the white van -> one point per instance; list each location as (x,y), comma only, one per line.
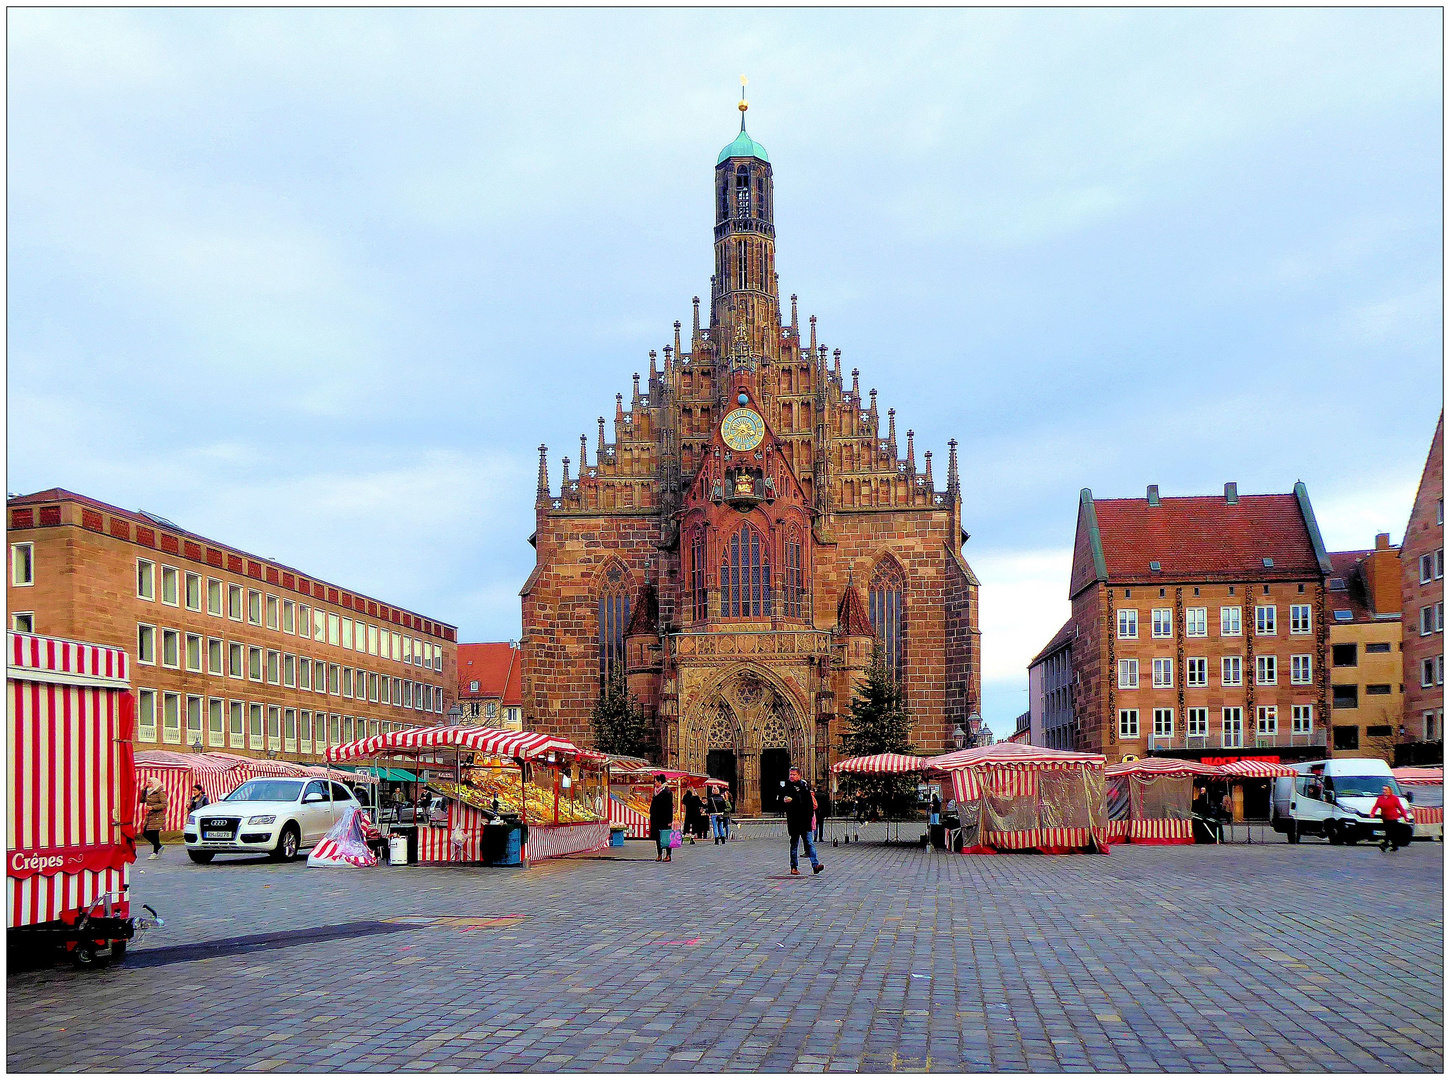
(1333,798)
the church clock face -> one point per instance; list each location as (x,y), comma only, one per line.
(742,429)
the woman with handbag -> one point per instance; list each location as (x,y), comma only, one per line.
(662,819)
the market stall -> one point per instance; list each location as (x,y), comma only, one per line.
(1428,785)
(1150,801)
(492,775)
(884,765)
(177,772)
(1015,797)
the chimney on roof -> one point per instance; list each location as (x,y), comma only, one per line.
(1152,494)
(1381,541)
(1231,493)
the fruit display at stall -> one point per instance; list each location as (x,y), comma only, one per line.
(503,784)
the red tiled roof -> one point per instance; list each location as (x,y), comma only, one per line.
(1062,637)
(1206,538)
(497,666)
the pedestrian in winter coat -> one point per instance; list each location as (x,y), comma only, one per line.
(800,820)
(198,799)
(691,803)
(1387,808)
(153,799)
(662,818)
(717,806)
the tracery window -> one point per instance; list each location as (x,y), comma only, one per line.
(742,193)
(887,610)
(794,575)
(613,618)
(699,596)
(745,576)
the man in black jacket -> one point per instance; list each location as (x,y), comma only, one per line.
(800,814)
(661,818)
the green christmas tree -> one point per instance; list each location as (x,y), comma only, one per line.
(877,723)
(618,721)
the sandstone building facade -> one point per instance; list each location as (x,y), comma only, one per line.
(742,534)
(230,651)
(1200,627)
(1422,578)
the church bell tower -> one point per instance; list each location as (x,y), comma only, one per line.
(744,299)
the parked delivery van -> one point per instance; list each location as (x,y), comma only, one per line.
(1333,798)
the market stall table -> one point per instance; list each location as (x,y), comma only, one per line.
(1429,801)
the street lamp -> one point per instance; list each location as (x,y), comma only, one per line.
(974,725)
(454,715)
(959,737)
(196,746)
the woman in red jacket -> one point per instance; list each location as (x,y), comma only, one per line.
(1388,808)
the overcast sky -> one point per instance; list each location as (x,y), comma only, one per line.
(316,283)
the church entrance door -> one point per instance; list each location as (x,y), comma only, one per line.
(774,770)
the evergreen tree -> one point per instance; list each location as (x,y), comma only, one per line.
(877,723)
(618,720)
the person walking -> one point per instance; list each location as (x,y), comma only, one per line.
(198,799)
(715,804)
(800,820)
(153,801)
(662,818)
(1388,809)
(935,808)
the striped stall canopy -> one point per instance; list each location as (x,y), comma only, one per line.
(1415,775)
(483,740)
(57,656)
(1015,755)
(1255,770)
(875,764)
(1160,766)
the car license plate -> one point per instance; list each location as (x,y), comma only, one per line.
(216,834)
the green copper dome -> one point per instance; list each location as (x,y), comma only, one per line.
(743,146)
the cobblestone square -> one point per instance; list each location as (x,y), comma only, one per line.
(1264,957)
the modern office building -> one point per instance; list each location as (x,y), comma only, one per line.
(1364,661)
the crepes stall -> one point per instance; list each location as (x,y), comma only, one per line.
(1150,801)
(1013,797)
(543,785)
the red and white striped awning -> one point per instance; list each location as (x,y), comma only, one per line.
(200,763)
(1417,775)
(1015,755)
(1161,766)
(1255,770)
(528,745)
(876,764)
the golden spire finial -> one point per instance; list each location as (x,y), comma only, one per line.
(744,105)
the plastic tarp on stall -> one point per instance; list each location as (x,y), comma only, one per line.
(346,843)
(1015,797)
(1429,806)
(1150,801)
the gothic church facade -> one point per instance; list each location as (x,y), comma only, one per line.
(741,538)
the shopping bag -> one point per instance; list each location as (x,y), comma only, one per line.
(675,839)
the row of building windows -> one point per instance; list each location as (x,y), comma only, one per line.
(237,660)
(1230,621)
(190,719)
(1231,671)
(223,599)
(1301,723)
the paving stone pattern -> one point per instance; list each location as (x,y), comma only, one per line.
(1233,958)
